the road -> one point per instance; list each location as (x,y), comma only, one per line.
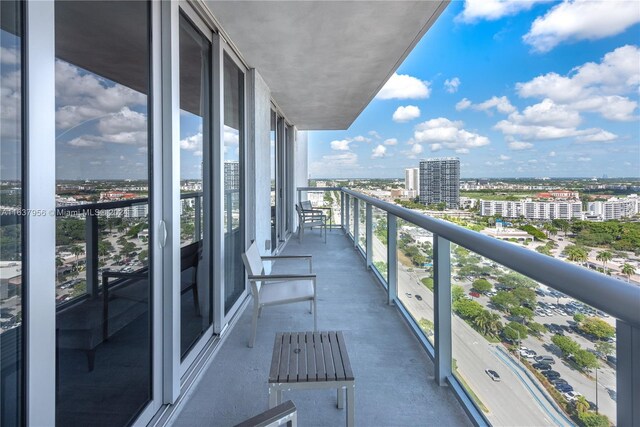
(512,401)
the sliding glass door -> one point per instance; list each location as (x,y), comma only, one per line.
(103,225)
(273,167)
(195,185)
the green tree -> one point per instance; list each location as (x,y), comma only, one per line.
(504,300)
(576,254)
(585,359)
(578,317)
(77,250)
(536,328)
(525,296)
(604,256)
(457,293)
(591,419)
(525,314)
(482,285)
(514,331)
(467,308)
(628,270)
(605,348)
(566,345)
(582,405)
(487,322)
(598,328)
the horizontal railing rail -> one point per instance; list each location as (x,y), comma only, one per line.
(615,297)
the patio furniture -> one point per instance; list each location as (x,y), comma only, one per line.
(307,206)
(311,219)
(276,289)
(312,360)
(281,414)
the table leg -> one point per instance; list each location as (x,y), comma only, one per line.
(351,405)
(341,392)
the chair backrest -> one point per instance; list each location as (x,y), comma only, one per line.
(253,263)
(306,205)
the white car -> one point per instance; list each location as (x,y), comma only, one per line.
(571,395)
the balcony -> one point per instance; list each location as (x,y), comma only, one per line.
(408,316)
(394,375)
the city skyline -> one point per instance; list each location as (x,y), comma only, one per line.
(511,89)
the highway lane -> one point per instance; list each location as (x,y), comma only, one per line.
(509,401)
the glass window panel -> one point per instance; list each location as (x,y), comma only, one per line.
(273,168)
(379,243)
(103,284)
(195,280)
(11,266)
(362,225)
(233,181)
(415,274)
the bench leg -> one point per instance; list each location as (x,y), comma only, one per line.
(273,398)
(341,392)
(351,405)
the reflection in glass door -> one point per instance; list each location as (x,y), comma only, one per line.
(103,282)
(273,167)
(11,202)
(233,209)
(195,190)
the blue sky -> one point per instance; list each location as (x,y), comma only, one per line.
(515,89)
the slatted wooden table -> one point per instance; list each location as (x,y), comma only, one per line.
(312,360)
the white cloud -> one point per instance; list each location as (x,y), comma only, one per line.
(391,141)
(501,104)
(547,113)
(552,153)
(340,145)
(491,10)
(435,147)
(584,159)
(374,134)
(536,132)
(519,145)
(463,104)
(361,138)
(581,20)
(404,114)
(379,151)
(231,136)
(192,143)
(403,86)
(594,87)
(448,133)
(416,149)
(9,56)
(462,150)
(452,85)
(601,136)
(504,158)
(82,96)
(335,165)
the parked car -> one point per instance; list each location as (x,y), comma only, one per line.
(493,374)
(572,395)
(612,361)
(563,388)
(545,359)
(474,294)
(551,375)
(542,366)
(418,297)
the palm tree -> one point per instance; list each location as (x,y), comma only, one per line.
(582,405)
(576,254)
(628,270)
(77,250)
(59,263)
(604,256)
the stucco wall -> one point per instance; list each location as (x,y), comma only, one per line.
(259,111)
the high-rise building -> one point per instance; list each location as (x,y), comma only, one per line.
(231,175)
(412,182)
(440,181)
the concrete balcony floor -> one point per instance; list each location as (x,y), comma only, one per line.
(394,376)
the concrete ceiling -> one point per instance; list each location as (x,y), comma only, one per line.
(324,61)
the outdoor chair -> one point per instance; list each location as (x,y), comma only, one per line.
(307,206)
(276,289)
(310,219)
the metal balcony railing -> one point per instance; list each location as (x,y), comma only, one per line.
(604,294)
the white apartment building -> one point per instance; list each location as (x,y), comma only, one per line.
(530,209)
(615,208)
(412,180)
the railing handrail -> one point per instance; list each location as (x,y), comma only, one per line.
(614,297)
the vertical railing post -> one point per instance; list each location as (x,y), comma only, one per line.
(342,209)
(392,257)
(347,212)
(91,259)
(627,374)
(369,235)
(442,307)
(228,201)
(198,216)
(356,222)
